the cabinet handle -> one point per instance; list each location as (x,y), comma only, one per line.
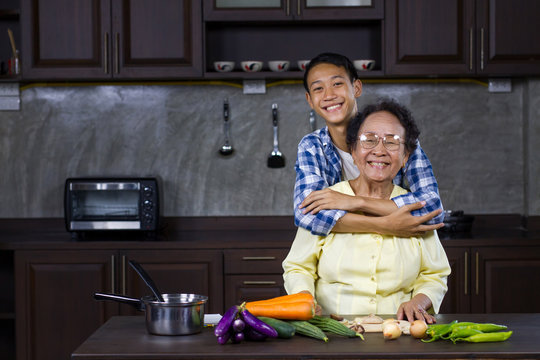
(116,54)
(466,275)
(298,7)
(288,8)
(113,265)
(477,273)
(249,258)
(481,48)
(106,52)
(124,274)
(261,282)
(471,39)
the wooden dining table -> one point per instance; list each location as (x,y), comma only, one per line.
(126,337)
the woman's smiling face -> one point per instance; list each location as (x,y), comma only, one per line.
(380,164)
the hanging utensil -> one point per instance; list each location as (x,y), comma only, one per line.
(276,159)
(147,279)
(227,148)
(312,120)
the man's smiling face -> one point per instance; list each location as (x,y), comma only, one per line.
(331,93)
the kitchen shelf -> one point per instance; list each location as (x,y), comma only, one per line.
(288,75)
(292,41)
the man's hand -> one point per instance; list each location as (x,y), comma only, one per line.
(327,199)
(415,309)
(403,224)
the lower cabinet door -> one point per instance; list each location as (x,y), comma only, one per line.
(504,279)
(176,271)
(457,299)
(240,288)
(55,307)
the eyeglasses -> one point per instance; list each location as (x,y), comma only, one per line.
(371,140)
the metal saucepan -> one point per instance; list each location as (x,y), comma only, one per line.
(179,314)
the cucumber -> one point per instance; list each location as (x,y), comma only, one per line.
(333,326)
(305,328)
(284,329)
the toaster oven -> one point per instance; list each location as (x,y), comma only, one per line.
(111,204)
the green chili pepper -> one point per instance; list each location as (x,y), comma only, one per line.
(460,333)
(486,328)
(485,337)
(436,331)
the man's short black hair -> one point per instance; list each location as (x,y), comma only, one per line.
(334,59)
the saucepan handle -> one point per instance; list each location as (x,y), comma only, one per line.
(136,303)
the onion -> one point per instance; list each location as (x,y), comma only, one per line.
(391,331)
(418,329)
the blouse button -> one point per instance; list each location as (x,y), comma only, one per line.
(372,301)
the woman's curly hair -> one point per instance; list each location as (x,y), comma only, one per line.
(399,111)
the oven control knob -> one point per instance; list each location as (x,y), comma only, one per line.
(148,216)
(147,191)
(148,204)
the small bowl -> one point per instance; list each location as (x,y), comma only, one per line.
(302,64)
(224,66)
(364,65)
(278,65)
(252,66)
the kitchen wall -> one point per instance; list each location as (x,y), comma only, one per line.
(483,146)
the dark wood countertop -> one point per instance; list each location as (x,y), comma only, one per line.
(231,233)
(126,338)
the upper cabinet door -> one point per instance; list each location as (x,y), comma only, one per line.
(156,39)
(64,39)
(248,10)
(508,37)
(429,37)
(339,9)
(145,39)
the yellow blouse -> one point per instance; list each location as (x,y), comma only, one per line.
(361,273)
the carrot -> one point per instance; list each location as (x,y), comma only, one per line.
(285,299)
(300,310)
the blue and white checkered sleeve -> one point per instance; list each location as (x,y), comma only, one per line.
(309,168)
(423,186)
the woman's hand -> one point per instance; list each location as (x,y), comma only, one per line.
(416,309)
(327,199)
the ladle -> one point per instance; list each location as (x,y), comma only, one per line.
(147,279)
(227,148)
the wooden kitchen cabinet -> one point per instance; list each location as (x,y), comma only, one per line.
(497,279)
(254,33)
(55,300)
(9,19)
(58,286)
(176,271)
(268,10)
(253,274)
(462,37)
(105,39)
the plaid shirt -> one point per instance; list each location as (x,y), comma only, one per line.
(318,166)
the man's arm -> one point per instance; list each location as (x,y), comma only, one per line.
(421,181)
(314,172)
(399,223)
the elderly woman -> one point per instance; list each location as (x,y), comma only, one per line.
(362,273)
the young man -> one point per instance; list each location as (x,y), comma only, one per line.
(332,86)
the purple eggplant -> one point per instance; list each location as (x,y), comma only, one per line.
(258,325)
(253,335)
(238,325)
(226,321)
(237,337)
(222,339)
